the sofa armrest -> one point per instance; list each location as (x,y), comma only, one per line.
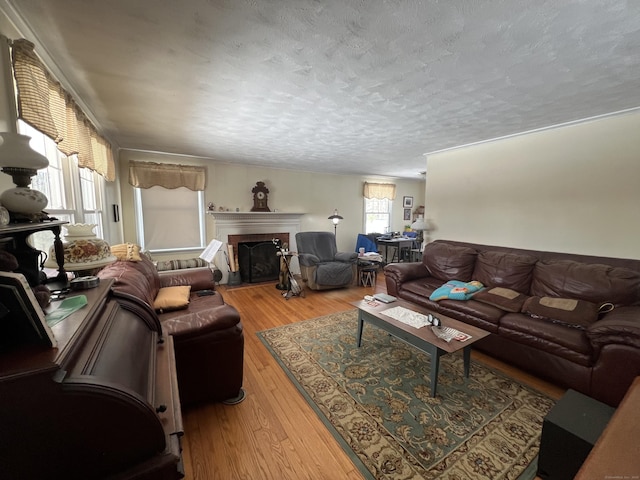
(346,257)
(200,278)
(398,273)
(621,326)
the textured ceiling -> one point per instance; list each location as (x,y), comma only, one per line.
(340,86)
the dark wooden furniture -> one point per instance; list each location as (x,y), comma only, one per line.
(15,241)
(569,431)
(422,338)
(616,454)
(104,403)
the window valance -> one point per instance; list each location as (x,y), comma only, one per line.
(46,106)
(167,175)
(380,190)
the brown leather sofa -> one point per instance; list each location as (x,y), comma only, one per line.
(593,352)
(208,335)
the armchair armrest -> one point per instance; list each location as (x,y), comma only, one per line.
(200,278)
(347,257)
(620,326)
(308,259)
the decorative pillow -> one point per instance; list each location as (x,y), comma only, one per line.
(504,298)
(172,298)
(455,290)
(180,264)
(567,311)
(126,251)
(447,262)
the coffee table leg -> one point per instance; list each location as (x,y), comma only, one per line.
(360,325)
(435,366)
(466,355)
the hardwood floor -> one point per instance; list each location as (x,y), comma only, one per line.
(274,433)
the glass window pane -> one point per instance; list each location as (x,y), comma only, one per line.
(171,219)
(377,215)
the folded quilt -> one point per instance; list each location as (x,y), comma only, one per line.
(456,290)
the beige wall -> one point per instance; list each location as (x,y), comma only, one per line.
(570,189)
(314,194)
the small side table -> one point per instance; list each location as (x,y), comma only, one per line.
(367,271)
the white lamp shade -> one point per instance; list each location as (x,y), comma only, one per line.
(16,152)
(419,224)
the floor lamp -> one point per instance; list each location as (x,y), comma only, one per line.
(335,218)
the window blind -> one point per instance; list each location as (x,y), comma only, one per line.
(167,175)
(46,106)
(380,190)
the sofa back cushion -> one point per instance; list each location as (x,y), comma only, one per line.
(583,281)
(449,262)
(509,270)
(140,279)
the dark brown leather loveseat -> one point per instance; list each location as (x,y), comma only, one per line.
(547,312)
(207,334)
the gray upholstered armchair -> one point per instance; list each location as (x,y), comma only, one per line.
(321,265)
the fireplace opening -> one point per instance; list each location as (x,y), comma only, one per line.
(258,261)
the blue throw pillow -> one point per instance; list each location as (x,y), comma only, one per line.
(456,290)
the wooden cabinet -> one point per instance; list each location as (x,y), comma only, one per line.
(14,238)
(104,403)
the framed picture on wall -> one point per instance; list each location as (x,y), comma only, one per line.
(407,214)
(407,202)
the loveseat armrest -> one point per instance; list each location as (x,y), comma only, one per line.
(200,278)
(346,257)
(621,326)
(398,273)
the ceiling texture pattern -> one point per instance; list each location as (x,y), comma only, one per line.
(339,86)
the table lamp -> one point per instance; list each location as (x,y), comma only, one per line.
(21,162)
(420,226)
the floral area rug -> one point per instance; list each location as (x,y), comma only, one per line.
(376,401)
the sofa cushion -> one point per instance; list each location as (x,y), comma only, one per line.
(172,298)
(139,279)
(567,311)
(557,339)
(449,262)
(595,283)
(504,298)
(510,270)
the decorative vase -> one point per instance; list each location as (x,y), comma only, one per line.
(24,200)
(83,250)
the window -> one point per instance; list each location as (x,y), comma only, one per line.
(377,213)
(170,219)
(74,193)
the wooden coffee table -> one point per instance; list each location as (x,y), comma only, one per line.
(422,338)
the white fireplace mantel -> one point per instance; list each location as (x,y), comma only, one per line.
(247,223)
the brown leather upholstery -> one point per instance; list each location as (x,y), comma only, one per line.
(208,335)
(599,358)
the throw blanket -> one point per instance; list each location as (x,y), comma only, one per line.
(456,290)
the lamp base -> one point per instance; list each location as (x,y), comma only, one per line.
(23,200)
